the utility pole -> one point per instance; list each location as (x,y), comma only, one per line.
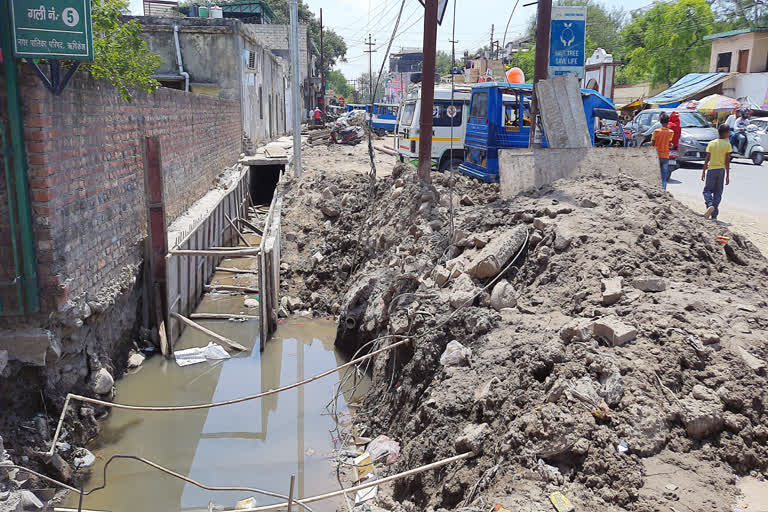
(370,51)
(322,66)
(543,22)
(427,91)
(295,85)
(490,55)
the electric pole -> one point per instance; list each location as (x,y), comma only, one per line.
(295,86)
(427,91)
(490,55)
(543,22)
(322,67)
(370,51)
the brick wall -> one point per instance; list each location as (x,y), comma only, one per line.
(86,174)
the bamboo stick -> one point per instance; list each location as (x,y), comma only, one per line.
(230,288)
(209,332)
(222,251)
(237,270)
(239,234)
(222,316)
(250,226)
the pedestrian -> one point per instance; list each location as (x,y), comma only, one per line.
(318,116)
(717,172)
(662,140)
(676,127)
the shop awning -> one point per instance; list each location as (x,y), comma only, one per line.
(688,86)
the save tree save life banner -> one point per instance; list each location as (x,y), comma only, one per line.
(567,41)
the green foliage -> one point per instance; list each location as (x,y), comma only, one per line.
(121,56)
(665,42)
(364,88)
(524,59)
(741,13)
(443,62)
(338,83)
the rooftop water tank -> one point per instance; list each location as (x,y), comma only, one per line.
(216,12)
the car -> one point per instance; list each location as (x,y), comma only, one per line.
(696,132)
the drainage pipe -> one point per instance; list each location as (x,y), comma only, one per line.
(178,58)
(21,181)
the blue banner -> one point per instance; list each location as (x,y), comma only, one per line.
(567,45)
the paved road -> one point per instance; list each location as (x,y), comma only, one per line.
(744,208)
(747,191)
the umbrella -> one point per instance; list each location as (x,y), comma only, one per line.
(717,103)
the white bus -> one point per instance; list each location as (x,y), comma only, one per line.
(447,146)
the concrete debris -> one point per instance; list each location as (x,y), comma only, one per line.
(503,295)
(699,392)
(754,363)
(612,389)
(250,303)
(3,360)
(542,223)
(466,200)
(612,292)
(135,359)
(456,354)
(62,467)
(614,330)
(562,241)
(702,418)
(330,209)
(485,390)
(317,257)
(494,256)
(102,382)
(28,501)
(472,439)
(28,346)
(578,330)
(463,291)
(441,275)
(650,284)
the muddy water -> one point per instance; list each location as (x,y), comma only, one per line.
(254,444)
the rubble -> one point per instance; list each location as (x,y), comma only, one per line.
(612,291)
(650,284)
(102,382)
(614,330)
(503,295)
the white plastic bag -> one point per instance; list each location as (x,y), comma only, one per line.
(456,354)
(384,446)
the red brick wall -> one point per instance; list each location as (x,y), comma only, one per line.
(86,173)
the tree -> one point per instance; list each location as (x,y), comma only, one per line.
(443,62)
(363,87)
(667,40)
(338,83)
(524,59)
(121,56)
(742,13)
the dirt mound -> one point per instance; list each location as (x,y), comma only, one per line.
(620,338)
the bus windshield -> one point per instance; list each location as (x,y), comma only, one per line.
(408,111)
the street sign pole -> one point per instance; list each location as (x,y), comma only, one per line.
(543,21)
(295,93)
(427,91)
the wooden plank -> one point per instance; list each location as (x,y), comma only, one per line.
(160,320)
(222,316)
(236,270)
(239,234)
(208,332)
(230,288)
(184,306)
(216,252)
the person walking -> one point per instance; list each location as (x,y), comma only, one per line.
(717,172)
(318,116)
(662,140)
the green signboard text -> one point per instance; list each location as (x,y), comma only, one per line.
(53,29)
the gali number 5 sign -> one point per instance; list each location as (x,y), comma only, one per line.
(52,29)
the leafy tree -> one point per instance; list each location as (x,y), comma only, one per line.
(524,59)
(338,83)
(443,62)
(666,40)
(742,13)
(363,87)
(121,56)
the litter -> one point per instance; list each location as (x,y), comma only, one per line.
(363,465)
(84,458)
(456,354)
(500,508)
(366,494)
(723,240)
(622,447)
(200,354)
(384,446)
(560,502)
(245,504)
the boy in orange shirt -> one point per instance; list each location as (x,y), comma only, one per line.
(662,140)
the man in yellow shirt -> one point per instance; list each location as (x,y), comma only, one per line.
(717,171)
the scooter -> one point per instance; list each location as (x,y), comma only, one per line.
(350,135)
(753,149)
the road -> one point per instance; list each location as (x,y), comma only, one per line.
(744,208)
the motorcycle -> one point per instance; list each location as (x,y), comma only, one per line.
(753,149)
(349,135)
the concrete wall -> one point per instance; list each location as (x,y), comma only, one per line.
(217,52)
(522,169)
(754,85)
(755,42)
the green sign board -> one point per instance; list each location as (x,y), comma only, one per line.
(52,29)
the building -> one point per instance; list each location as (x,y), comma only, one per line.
(600,72)
(740,51)
(227,59)
(401,66)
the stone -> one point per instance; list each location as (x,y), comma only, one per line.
(700,392)
(295,303)
(28,346)
(562,241)
(441,275)
(3,360)
(463,291)
(317,257)
(330,209)
(28,501)
(536,238)
(102,382)
(472,438)
(435,225)
(335,307)
(702,418)
(710,338)
(754,363)
(396,193)
(327,194)
(482,393)
(503,295)
(612,389)
(62,467)
(467,201)
(650,284)
(587,203)
(399,183)
(541,223)
(576,330)
(135,359)
(612,292)
(614,330)
(492,258)
(580,447)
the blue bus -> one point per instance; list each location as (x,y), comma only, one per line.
(357,106)
(500,118)
(384,117)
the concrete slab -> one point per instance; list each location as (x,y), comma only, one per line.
(562,113)
(29,345)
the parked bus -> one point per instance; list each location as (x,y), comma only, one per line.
(384,117)
(499,118)
(447,144)
(357,106)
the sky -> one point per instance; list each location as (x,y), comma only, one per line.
(355,19)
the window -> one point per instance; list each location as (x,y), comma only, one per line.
(408,111)
(723,62)
(440,115)
(251,59)
(692,120)
(479,106)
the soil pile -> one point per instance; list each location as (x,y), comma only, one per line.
(617,349)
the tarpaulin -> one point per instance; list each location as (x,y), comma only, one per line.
(688,86)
